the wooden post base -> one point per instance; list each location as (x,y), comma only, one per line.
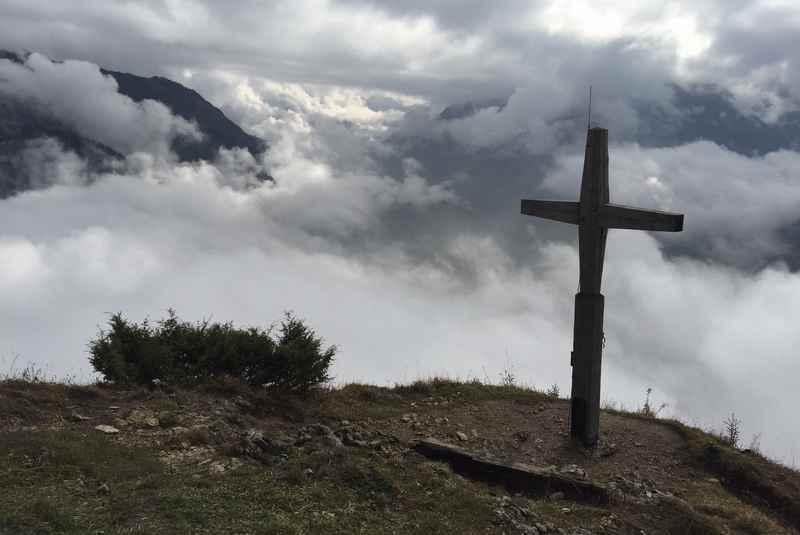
(586,362)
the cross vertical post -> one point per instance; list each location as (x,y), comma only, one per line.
(594,215)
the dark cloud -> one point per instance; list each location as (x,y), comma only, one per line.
(472,50)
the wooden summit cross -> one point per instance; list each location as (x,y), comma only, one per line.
(594,216)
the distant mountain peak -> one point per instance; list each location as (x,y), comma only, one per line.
(22,122)
(469,108)
(16,57)
(219,131)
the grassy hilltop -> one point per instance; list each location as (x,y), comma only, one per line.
(229,458)
(216,454)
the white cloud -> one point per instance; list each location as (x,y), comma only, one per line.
(188,242)
(735,206)
(713,339)
(684,28)
(44,161)
(440,51)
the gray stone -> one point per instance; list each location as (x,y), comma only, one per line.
(574,470)
(350,440)
(216,468)
(242,402)
(608,450)
(332,440)
(523,436)
(256,444)
(326,434)
(143,418)
(107,429)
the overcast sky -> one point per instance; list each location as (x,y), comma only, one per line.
(397,234)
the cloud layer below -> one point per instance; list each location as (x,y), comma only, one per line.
(706,336)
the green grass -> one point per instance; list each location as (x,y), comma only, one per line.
(28,401)
(55,476)
(358,401)
(55,479)
(466,390)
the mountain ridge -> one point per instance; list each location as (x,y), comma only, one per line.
(703,113)
(187,103)
(22,123)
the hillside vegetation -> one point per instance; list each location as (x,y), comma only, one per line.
(251,439)
(229,458)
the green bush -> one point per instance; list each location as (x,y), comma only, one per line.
(177,352)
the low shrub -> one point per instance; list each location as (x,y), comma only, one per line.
(173,351)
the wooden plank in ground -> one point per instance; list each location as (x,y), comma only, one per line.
(515,477)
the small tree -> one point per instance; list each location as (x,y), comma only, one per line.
(299,358)
(732,430)
(128,353)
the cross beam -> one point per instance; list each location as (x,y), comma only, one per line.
(594,215)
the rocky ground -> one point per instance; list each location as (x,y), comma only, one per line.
(227,459)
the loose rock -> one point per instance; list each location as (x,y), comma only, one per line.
(523,436)
(256,445)
(573,470)
(143,418)
(216,469)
